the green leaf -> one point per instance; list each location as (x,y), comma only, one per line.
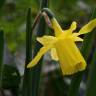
(1,55)
(27,72)
(91,83)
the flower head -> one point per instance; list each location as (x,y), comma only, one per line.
(63,47)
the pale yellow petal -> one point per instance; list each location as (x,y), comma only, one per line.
(57,29)
(73,26)
(36,59)
(76,34)
(46,40)
(54,54)
(75,37)
(70,58)
(88,27)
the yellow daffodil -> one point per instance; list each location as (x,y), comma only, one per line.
(63,48)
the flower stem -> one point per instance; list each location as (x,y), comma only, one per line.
(1,55)
(27,81)
(36,71)
(91,83)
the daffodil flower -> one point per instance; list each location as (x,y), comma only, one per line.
(63,48)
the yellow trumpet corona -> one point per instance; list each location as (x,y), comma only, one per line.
(63,47)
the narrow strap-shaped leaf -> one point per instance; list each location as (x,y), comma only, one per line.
(91,83)
(1,55)
(27,81)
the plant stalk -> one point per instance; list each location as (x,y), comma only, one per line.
(91,83)
(36,70)
(1,55)
(27,81)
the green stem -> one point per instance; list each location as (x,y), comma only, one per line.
(91,83)
(1,3)
(1,55)
(49,12)
(57,83)
(27,81)
(75,83)
(36,71)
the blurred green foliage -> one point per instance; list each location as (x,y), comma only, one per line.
(13,13)
(11,77)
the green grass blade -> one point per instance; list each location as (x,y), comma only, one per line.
(91,83)
(27,82)
(1,55)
